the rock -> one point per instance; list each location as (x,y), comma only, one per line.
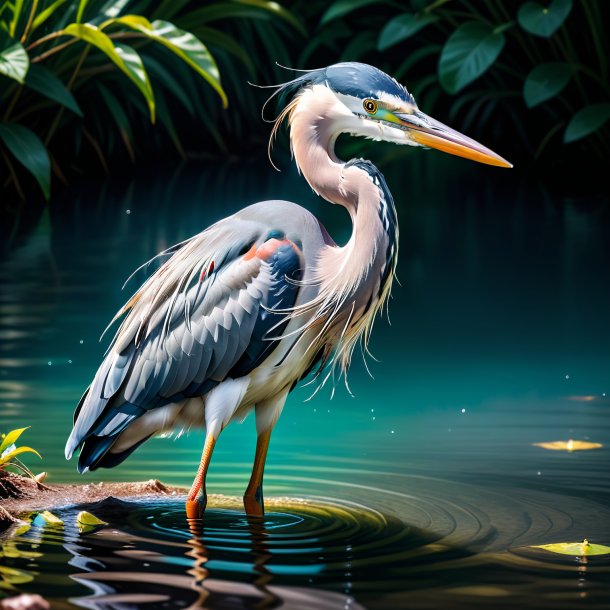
(6,519)
(25,602)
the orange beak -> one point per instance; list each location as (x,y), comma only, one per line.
(432,133)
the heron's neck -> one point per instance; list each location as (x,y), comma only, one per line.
(316,121)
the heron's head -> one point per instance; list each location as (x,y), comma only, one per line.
(374,105)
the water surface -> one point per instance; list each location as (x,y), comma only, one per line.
(418,491)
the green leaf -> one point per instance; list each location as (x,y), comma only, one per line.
(11,438)
(402,27)
(172,82)
(45,14)
(124,57)
(87,522)
(586,121)
(277,11)
(82,5)
(340,8)
(542,21)
(17,8)
(14,60)
(46,83)
(114,8)
(9,456)
(29,150)
(183,44)
(240,9)
(119,117)
(545,81)
(468,53)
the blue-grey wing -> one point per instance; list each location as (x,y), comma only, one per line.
(204,316)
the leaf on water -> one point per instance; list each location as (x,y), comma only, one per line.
(87,522)
(47,518)
(569,445)
(578,549)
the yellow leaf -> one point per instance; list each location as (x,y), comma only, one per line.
(9,456)
(47,518)
(87,522)
(578,549)
(570,445)
(11,437)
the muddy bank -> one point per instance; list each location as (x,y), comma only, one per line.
(19,494)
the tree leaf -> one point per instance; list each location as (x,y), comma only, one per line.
(45,14)
(542,21)
(468,53)
(11,438)
(29,150)
(586,121)
(340,8)
(278,11)
(236,9)
(120,118)
(402,27)
(183,44)
(82,5)
(46,83)
(17,8)
(545,81)
(124,57)
(14,60)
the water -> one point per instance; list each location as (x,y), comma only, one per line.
(423,489)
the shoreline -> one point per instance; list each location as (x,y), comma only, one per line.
(28,495)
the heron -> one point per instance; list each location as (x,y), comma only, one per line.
(237,315)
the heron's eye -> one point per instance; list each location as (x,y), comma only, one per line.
(370,106)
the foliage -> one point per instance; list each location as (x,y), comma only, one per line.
(535,74)
(9,451)
(61,96)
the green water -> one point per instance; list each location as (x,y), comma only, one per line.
(499,338)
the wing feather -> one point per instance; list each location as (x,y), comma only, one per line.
(158,356)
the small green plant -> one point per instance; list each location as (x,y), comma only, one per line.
(9,452)
(44,48)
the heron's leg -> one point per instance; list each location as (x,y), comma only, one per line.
(267,414)
(253,498)
(194,506)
